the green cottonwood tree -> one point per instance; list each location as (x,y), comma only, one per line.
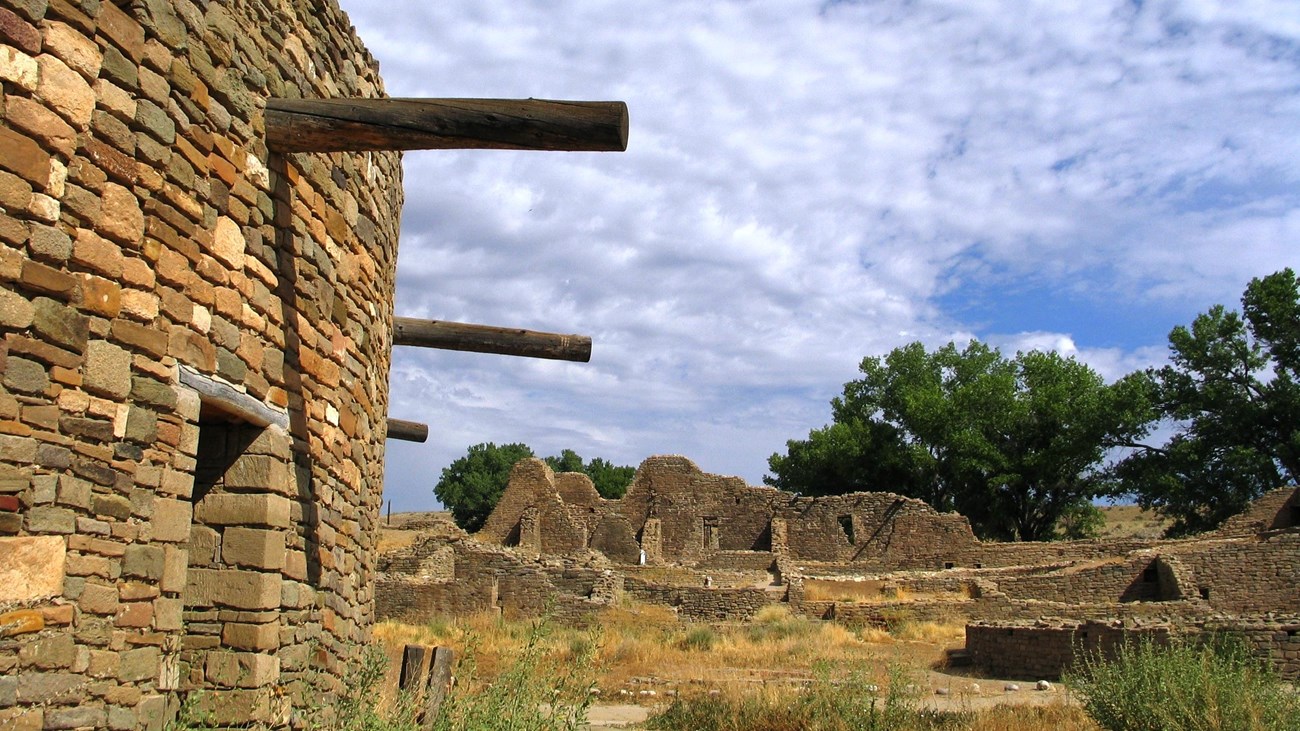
(471,486)
(1232,392)
(1014,444)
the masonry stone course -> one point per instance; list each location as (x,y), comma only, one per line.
(145,227)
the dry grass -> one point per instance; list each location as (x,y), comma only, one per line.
(1052,717)
(641,641)
(1130,521)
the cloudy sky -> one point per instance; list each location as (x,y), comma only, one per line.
(808,183)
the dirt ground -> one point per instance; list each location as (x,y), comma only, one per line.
(963,693)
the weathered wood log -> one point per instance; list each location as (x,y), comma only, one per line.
(338,125)
(439,684)
(408,431)
(488,339)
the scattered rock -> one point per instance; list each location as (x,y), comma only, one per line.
(1043,685)
(941,691)
(1011,687)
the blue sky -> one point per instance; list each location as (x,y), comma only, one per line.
(809,183)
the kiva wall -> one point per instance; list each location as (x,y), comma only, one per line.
(193,361)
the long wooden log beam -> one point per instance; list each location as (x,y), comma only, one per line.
(488,339)
(339,125)
(408,431)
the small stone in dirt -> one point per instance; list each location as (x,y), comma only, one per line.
(974,687)
(941,691)
(873,688)
(715,691)
(1044,685)
(1011,687)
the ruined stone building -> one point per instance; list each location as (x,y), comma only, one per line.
(193,360)
(199,204)
(717,549)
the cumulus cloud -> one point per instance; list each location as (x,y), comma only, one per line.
(808,183)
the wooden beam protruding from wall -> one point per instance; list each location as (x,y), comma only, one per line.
(346,125)
(488,339)
(408,431)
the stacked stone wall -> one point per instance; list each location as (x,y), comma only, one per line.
(705,604)
(485,578)
(1046,650)
(1248,576)
(167,285)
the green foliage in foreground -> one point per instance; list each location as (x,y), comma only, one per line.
(830,703)
(1187,686)
(531,695)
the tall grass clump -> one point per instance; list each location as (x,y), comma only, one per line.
(775,622)
(530,694)
(1210,686)
(840,702)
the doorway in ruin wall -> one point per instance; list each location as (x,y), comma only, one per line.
(244,560)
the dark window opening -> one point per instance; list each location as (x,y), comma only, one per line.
(512,538)
(223,438)
(949,565)
(1150,575)
(1205,592)
(979,565)
(764,540)
(1295,516)
(846,525)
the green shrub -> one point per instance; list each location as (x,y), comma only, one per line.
(1215,685)
(699,638)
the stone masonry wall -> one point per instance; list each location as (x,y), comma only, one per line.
(193,361)
(485,578)
(1046,650)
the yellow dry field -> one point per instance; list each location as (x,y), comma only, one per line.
(1130,521)
(638,649)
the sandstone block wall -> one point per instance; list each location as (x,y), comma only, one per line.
(474,577)
(1047,650)
(193,360)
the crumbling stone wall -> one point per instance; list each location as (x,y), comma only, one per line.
(475,577)
(1047,649)
(193,360)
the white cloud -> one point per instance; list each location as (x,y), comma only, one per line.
(804,183)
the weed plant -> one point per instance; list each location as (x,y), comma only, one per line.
(845,701)
(699,638)
(531,694)
(1192,686)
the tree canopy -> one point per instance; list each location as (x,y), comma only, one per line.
(1232,395)
(1014,444)
(471,486)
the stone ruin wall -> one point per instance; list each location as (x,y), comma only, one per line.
(449,573)
(1048,649)
(707,557)
(193,361)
